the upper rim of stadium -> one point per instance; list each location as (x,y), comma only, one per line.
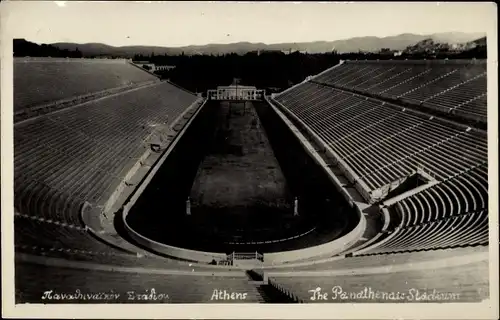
(23,100)
(471,71)
(44,85)
(418,61)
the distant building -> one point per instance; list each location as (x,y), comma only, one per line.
(149,66)
(264,51)
(290,51)
(153,67)
(145,65)
(235,92)
(163,68)
(386,51)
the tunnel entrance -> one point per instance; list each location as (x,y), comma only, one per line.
(239,180)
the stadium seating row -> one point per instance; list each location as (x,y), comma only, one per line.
(38,81)
(458,88)
(389,275)
(130,287)
(470,228)
(380,143)
(40,235)
(358,262)
(467,192)
(413,286)
(48,238)
(81,155)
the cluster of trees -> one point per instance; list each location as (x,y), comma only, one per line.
(23,48)
(272,71)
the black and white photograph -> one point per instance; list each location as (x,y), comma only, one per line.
(234,154)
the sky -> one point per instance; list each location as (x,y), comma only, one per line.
(175,24)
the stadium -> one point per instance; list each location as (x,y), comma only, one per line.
(364,180)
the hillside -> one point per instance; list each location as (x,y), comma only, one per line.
(479,42)
(399,42)
(431,46)
(23,48)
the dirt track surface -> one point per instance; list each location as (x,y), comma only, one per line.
(241,169)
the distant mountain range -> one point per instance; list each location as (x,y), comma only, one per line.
(370,44)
